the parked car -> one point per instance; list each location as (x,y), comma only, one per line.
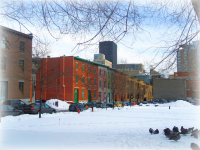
(35,107)
(127,103)
(118,104)
(89,104)
(38,101)
(76,107)
(110,105)
(134,103)
(15,103)
(7,110)
(100,105)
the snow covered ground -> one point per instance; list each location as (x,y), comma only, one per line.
(124,128)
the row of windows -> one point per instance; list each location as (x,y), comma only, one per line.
(4,44)
(89,69)
(83,93)
(3,63)
(89,81)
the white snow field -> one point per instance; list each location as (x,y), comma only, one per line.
(119,129)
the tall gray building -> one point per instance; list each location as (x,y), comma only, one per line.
(109,49)
(188,58)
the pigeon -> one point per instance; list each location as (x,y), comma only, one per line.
(172,135)
(156,131)
(167,132)
(175,136)
(190,129)
(175,129)
(194,146)
(184,131)
(195,133)
(151,130)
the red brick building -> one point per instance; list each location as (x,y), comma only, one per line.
(67,78)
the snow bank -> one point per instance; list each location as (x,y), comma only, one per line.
(62,105)
(178,103)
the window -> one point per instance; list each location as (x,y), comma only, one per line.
(3,63)
(89,81)
(21,49)
(21,86)
(94,93)
(89,69)
(104,73)
(83,80)
(76,78)
(94,81)
(104,84)
(99,83)
(3,42)
(21,64)
(83,92)
(83,67)
(76,66)
(94,70)
(100,72)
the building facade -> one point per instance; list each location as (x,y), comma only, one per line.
(188,58)
(75,79)
(16,65)
(100,58)
(172,89)
(109,49)
(131,69)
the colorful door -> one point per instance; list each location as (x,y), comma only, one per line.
(89,96)
(75,95)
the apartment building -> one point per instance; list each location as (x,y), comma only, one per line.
(16,64)
(188,57)
(100,58)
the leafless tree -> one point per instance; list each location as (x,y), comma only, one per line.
(89,22)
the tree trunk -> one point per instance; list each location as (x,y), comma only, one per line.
(40,101)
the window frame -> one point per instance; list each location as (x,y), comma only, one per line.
(76,78)
(4,42)
(76,65)
(22,46)
(83,67)
(21,86)
(83,79)
(83,93)
(3,63)
(21,65)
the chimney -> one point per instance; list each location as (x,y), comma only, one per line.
(48,56)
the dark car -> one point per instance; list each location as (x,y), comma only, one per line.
(16,103)
(76,107)
(89,104)
(34,109)
(7,110)
(110,105)
(100,105)
(38,101)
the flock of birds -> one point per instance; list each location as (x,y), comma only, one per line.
(174,134)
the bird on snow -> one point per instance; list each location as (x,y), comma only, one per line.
(184,131)
(175,129)
(151,130)
(156,131)
(194,146)
(195,133)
